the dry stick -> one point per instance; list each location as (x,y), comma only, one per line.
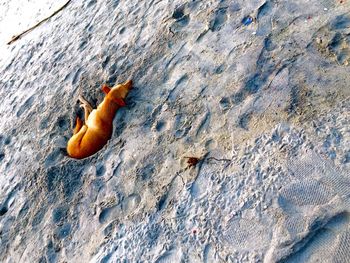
(14,38)
(219,160)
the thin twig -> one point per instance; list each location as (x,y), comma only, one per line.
(219,160)
(16,37)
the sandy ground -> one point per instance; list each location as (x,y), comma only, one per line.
(257,90)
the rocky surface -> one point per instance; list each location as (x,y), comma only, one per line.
(258,91)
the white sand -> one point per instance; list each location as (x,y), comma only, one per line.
(265,105)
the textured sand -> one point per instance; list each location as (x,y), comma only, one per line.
(264,104)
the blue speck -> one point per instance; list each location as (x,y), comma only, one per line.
(247,20)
